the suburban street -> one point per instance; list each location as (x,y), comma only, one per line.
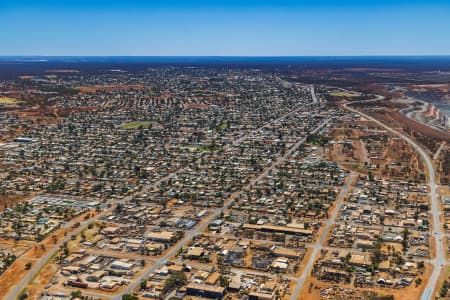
(313,95)
(320,241)
(440,260)
(190,234)
(227,150)
(37,266)
(182,243)
(272,180)
(15,292)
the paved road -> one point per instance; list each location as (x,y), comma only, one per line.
(440,259)
(190,234)
(14,293)
(233,237)
(317,246)
(438,151)
(238,271)
(313,95)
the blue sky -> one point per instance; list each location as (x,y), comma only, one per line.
(222,28)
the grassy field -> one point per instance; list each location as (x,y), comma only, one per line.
(7,100)
(135,125)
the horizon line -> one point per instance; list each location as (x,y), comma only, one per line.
(238,56)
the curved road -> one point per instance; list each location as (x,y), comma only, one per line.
(440,260)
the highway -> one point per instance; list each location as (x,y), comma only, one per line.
(317,246)
(440,260)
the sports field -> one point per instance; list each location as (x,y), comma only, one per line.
(137,124)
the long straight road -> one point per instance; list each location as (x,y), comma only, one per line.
(190,234)
(14,292)
(313,95)
(317,246)
(438,151)
(188,237)
(439,261)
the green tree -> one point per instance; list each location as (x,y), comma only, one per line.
(176,279)
(143,284)
(129,297)
(23,296)
(224,281)
(443,289)
(76,294)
